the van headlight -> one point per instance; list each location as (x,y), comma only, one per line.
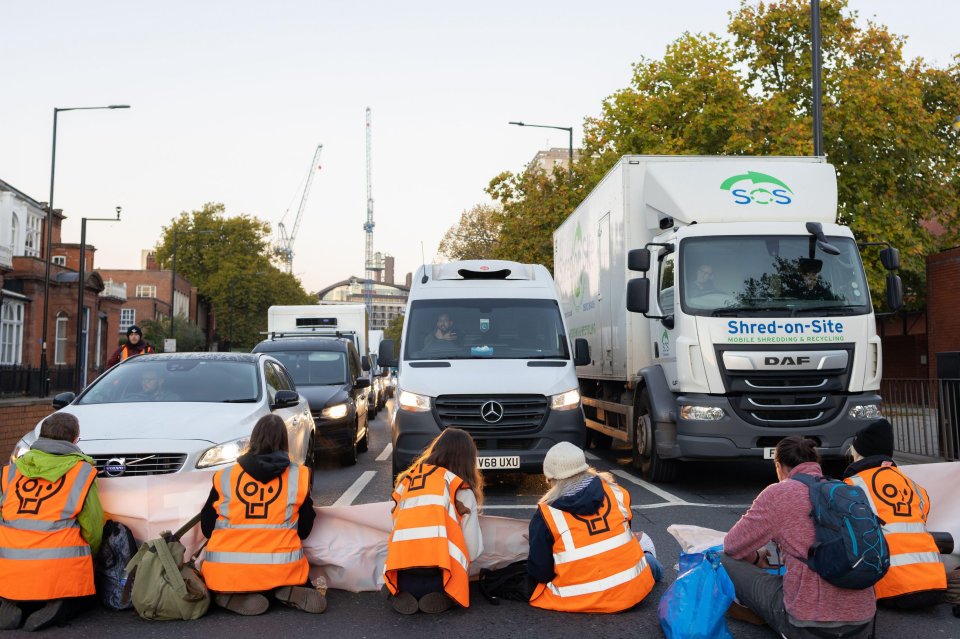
(412,402)
(565,401)
(702,413)
(337,411)
(225,453)
(19,450)
(864,411)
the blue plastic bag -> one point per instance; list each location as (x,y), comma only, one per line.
(693,607)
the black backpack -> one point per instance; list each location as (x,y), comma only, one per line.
(510,582)
(110,565)
(850,551)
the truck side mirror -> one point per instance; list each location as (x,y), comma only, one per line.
(894,291)
(364,363)
(638,295)
(638,260)
(890,258)
(581,352)
(387,358)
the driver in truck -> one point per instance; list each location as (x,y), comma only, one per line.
(703,283)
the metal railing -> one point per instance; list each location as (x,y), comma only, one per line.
(925,414)
(22,380)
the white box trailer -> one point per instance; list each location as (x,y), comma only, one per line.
(321,320)
(736,345)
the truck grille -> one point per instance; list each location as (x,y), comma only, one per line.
(521,414)
(135,464)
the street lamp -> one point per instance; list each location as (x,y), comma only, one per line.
(173,276)
(81,373)
(42,387)
(568,129)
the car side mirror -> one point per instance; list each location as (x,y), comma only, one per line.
(386,353)
(285,399)
(638,295)
(638,260)
(581,352)
(894,291)
(890,258)
(365,363)
(361,382)
(62,399)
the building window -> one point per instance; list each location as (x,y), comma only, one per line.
(11,332)
(60,343)
(32,239)
(14,233)
(59,260)
(146,290)
(128,316)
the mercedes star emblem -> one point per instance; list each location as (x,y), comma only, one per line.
(492,412)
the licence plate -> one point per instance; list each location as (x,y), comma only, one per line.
(498,463)
(768,453)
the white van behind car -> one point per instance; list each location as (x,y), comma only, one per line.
(485,348)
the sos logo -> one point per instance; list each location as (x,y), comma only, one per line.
(757,188)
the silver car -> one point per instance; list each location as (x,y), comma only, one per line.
(183,412)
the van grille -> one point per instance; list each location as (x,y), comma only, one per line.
(140,464)
(522,414)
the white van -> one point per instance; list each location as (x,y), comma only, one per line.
(485,349)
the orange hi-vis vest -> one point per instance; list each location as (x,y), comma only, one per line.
(254,546)
(125,351)
(43,556)
(426,530)
(902,505)
(599,564)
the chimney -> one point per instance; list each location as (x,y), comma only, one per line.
(409,280)
(388,276)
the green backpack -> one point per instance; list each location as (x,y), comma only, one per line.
(164,585)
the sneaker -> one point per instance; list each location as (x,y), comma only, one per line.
(435,602)
(10,615)
(45,617)
(741,612)
(243,603)
(404,603)
(302,598)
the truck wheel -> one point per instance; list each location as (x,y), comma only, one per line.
(645,457)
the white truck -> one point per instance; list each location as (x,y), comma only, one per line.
(751,319)
(485,348)
(344,320)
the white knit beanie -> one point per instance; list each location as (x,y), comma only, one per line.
(564,460)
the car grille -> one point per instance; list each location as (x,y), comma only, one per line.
(141,463)
(522,414)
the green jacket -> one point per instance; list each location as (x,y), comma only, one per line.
(52,466)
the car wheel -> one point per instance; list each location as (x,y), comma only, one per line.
(645,457)
(310,457)
(364,443)
(349,455)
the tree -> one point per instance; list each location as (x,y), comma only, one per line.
(189,336)
(230,262)
(474,237)
(394,331)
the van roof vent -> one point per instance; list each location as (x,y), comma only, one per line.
(500,274)
(483,270)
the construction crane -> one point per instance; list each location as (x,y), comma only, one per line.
(369,266)
(284,246)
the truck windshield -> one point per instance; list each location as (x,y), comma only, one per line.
(737,275)
(485,328)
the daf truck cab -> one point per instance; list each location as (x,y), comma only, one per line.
(485,348)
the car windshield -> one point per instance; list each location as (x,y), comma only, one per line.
(485,328)
(314,368)
(731,276)
(149,379)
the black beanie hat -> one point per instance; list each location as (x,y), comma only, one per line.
(134,329)
(875,439)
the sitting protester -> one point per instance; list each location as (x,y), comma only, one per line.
(52,525)
(583,555)
(257,512)
(436,527)
(917,577)
(800,604)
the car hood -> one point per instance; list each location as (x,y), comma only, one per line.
(319,397)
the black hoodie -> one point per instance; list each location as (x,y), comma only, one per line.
(263,468)
(873,461)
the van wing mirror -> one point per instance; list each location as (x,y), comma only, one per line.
(581,352)
(638,260)
(364,362)
(638,295)
(890,258)
(894,291)
(387,358)
(361,382)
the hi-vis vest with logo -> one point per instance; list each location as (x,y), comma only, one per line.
(254,546)
(599,564)
(902,506)
(42,553)
(426,530)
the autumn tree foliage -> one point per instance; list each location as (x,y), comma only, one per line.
(474,236)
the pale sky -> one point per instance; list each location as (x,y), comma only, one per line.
(230,98)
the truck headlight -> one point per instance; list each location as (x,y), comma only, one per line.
(565,401)
(336,411)
(19,451)
(702,413)
(412,402)
(225,453)
(864,411)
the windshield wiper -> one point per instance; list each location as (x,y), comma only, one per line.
(249,400)
(735,310)
(833,309)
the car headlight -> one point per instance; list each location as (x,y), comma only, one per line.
(701,413)
(225,453)
(565,401)
(865,411)
(334,412)
(19,451)
(412,402)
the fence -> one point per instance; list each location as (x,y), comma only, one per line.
(925,414)
(23,380)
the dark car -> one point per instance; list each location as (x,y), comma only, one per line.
(328,373)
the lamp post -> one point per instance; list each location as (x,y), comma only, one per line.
(817,110)
(42,387)
(81,367)
(568,129)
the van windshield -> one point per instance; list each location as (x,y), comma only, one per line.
(485,328)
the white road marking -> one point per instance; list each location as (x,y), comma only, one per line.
(590,456)
(634,507)
(347,498)
(385,455)
(659,492)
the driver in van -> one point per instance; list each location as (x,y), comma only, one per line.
(443,332)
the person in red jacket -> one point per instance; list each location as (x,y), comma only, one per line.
(135,345)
